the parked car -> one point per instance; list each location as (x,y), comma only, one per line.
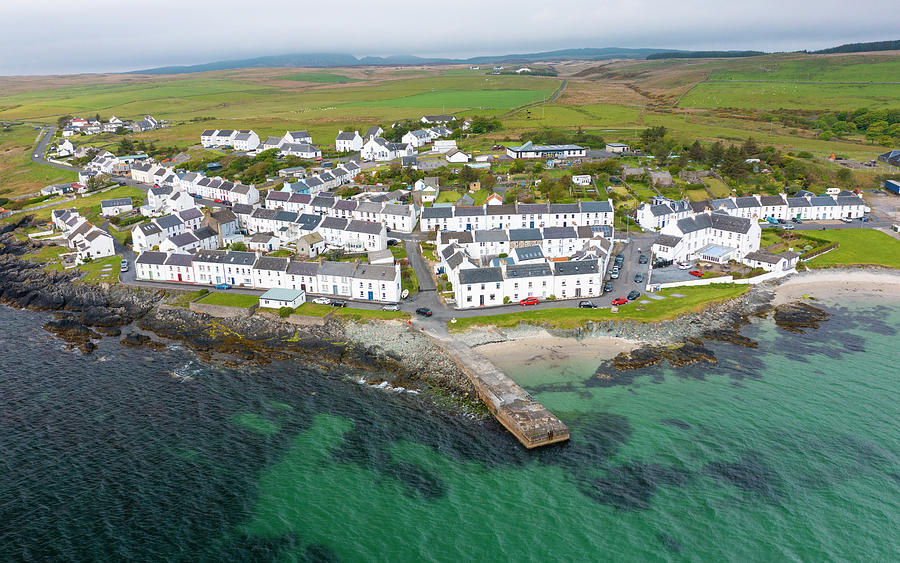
(846,219)
(684,265)
(697,273)
(587,305)
(634,295)
(124,266)
(338,303)
(391,307)
(424,311)
(638,278)
(796,220)
(223,286)
(619,301)
(529,301)
(393,242)
(643,259)
(607,287)
(788,227)
(614,274)
(864,219)
(322,301)
(619,259)
(781,221)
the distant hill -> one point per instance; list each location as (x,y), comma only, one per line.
(704,54)
(861,47)
(325,60)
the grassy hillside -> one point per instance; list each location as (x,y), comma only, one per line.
(777,95)
(816,69)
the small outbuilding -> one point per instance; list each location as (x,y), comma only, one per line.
(277,298)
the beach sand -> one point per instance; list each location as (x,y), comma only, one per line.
(544,347)
(830,285)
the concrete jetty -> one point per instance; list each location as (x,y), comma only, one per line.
(529,421)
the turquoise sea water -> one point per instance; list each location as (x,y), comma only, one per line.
(787,451)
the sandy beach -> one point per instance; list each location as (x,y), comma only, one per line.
(545,347)
(833,284)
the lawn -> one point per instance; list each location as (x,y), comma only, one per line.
(18,175)
(89,206)
(230,300)
(695,299)
(865,247)
(184,299)
(448,195)
(696,195)
(102,270)
(718,188)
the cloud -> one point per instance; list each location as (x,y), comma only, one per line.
(61,36)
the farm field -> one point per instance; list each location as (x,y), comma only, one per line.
(18,175)
(818,69)
(319,77)
(791,96)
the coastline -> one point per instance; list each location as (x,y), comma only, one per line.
(833,284)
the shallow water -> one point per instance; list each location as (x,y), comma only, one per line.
(785,451)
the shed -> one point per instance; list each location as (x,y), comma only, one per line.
(276,298)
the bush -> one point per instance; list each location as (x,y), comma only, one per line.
(506,299)
(285,312)
(551,298)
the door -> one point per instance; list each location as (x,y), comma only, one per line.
(371,296)
(481,300)
(334,290)
(179,277)
(531,225)
(577,292)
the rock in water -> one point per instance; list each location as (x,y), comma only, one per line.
(795,317)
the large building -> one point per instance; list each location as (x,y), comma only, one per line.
(517,216)
(530,150)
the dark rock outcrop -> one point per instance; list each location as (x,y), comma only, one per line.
(795,317)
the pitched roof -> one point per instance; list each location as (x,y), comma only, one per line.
(528,253)
(240,258)
(117,202)
(272,263)
(149,257)
(179,259)
(480,275)
(365,227)
(184,239)
(376,272)
(573,267)
(298,268)
(528,270)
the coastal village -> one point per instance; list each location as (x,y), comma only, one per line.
(328,233)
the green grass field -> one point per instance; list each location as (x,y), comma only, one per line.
(230,300)
(319,78)
(791,96)
(865,247)
(718,188)
(818,69)
(17,173)
(695,299)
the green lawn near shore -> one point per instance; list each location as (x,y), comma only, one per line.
(695,299)
(230,300)
(858,247)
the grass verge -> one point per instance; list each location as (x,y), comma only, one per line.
(695,299)
(230,300)
(858,247)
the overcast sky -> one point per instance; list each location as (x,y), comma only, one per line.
(75,36)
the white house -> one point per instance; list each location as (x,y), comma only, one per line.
(457,156)
(373,132)
(278,298)
(443,146)
(113,207)
(662,211)
(246,141)
(297,138)
(146,236)
(713,236)
(617,148)
(380,150)
(530,150)
(302,150)
(581,179)
(348,142)
(65,148)
(417,138)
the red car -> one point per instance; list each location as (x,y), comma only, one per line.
(619,301)
(529,301)
(697,273)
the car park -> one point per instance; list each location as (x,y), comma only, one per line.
(391,307)
(619,301)
(638,278)
(587,305)
(643,259)
(529,301)
(634,295)
(696,273)
(223,286)
(607,287)
(424,311)
(338,303)
(321,301)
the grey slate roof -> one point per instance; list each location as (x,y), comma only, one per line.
(365,227)
(286,216)
(205,233)
(669,241)
(822,201)
(746,202)
(437,212)
(272,263)
(797,202)
(376,272)
(596,207)
(242,209)
(509,209)
(528,253)
(168,221)
(178,259)
(339,269)
(771,200)
(298,268)
(563,208)
(334,223)
(183,239)
(462,237)
(559,232)
(573,267)
(308,221)
(240,258)
(480,275)
(119,201)
(763,256)
(528,270)
(490,236)
(215,256)
(158,258)
(525,234)
(345,205)
(469,211)
(533,208)
(150,229)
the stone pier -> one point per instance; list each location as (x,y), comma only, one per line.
(529,421)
